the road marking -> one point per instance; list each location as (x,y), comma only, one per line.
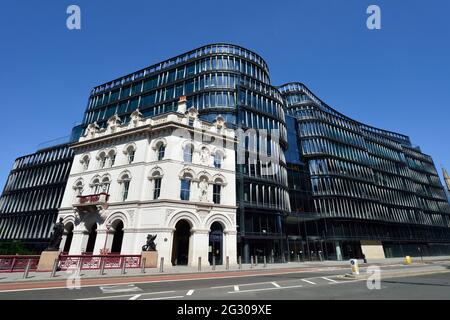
(331,280)
(190,292)
(165,298)
(120,288)
(307,281)
(236,288)
(276,284)
(135,297)
(124,295)
(265,289)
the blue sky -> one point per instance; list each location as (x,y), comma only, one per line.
(397,78)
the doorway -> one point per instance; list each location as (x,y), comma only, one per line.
(91,240)
(69,237)
(180,248)
(215,249)
(118,238)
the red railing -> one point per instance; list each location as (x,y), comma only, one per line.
(18,263)
(93,198)
(92,262)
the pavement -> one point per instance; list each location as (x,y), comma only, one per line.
(312,280)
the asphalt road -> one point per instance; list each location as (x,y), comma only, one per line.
(291,286)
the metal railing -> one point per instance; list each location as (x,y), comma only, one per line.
(16,263)
(94,262)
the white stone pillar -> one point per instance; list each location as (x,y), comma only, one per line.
(230,246)
(79,242)
(198,247)
(103,236)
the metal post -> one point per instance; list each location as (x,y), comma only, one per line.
(256,260)
(199,264)
(227,264)
(251,261)
(214,262)
(123,266)
(161,265)
(265,261)
(240,262)
(143,265)
(102,266)
(55,266)
(27,269)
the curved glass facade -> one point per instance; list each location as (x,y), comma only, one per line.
(366,183)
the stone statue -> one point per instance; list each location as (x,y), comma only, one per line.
(150,245)
(203,190)
(56,236)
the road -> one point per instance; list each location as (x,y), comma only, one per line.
(287,286)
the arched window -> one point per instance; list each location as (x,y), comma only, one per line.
(78,187)
(105,185)
(188,151)
(111,158)
(185,186)
(102,160)
(217,190)
(95,186)
(218,159)
(161,151)
(125,182)
(130,152)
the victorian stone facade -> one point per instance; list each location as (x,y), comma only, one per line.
(172,176)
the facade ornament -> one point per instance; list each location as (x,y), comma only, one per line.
(203,190)
(92,128)
(204,156)
(136,117)
(114,122)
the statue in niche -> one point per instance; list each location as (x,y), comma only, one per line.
(203,190)
(150,245)
(56,236)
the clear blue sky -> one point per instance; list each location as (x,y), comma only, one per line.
(397,78)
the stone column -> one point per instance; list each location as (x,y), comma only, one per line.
(102,236)
(79,242)
(198,246)
(230,246)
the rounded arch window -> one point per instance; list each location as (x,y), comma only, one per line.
(78,187)
(85,162)
(111,158)
(102,160)
(125,180)
(95,186)
(130,152)
(188,152)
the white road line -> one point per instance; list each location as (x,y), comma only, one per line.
(190,292)
(307,281)
(218,287)
(124,295)
(236,288)
(119,288)
(331,280)
(265,289)
(165,298)
(135,297)
(276,285)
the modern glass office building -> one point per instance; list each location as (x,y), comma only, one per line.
(32,195)
(352,184)
(332,182)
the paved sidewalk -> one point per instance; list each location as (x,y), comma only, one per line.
(17,277)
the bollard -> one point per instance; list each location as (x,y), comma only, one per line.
(102,267)
(408,260)
(256,260)
(265,262)
(214,263)
(354,266)
(199,264)
(240,262)
(227,263)
(55,266)
(144,260)
(298,258)
(251,261)
(123,267)
(27,269)
(161,265)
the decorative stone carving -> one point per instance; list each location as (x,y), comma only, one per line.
(136,117)
(92,128)
(56,236)
(150,245)
(114,122)
(203,190)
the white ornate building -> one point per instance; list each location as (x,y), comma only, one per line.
(171,175)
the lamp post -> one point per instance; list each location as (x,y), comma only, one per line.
(108,227)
